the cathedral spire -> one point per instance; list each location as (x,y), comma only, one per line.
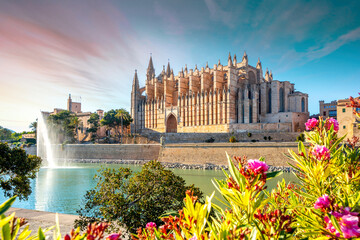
(245,57)
(267,77)
(219,63)
(229,61)
(135,81)
(207,65)
(258,65)
(168,71)
(271,75)
(150,70)
(234,61)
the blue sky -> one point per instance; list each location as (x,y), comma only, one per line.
(49,49)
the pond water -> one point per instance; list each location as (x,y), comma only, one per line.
(62,189)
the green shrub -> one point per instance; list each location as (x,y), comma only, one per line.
(133,199)
(300,138)
(232,139)
(249,134)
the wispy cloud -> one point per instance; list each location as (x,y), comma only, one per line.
(219,14)
(292,57)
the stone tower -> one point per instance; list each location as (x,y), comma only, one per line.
(135,99)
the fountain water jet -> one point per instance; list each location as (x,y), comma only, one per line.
(43,140)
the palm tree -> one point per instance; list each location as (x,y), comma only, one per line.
(124,118)
(33,127)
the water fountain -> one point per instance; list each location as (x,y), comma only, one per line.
(44,146)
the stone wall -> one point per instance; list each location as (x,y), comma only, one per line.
(107,151)
(185,153)
(215,153)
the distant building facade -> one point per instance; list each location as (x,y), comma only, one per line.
(226,98)
(328,109)
(75,107)
(348,121)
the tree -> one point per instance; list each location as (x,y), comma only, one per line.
(16,170)
(94,122)
(33,126)
(117,119)
(65,124)
(133,199)
(5,134)
(75,122)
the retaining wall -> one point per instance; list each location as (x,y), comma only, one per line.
(215,153)
(107,151)
(185,153)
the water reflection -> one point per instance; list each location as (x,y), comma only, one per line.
(62,189)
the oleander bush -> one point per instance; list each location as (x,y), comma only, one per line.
(324,205)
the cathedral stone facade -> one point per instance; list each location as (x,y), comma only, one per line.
(236,97)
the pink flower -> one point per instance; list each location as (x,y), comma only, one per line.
(332,122)
(321,153)
(349,226)
(311,124)
(331,227)
(348,221)
(113,236)
(193,238)
(151,225)
(230,185)
(258,166)
(322,202)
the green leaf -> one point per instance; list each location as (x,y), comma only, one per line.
(6,205)
(16,229)
(41,234)
(334,222)
(5,227)
(271,175)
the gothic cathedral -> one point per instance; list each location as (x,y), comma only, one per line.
(226,98)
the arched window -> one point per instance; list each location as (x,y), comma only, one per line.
(281,100)
(252,78)
(303,104)
(269,101)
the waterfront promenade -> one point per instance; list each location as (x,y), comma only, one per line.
(36,219)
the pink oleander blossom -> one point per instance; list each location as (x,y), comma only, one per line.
(257,166)
(322,202)
(151,225)
(349,226)
(321,153)
(113,236)
(311,124)
(332,122)
(348,221)
(331,227)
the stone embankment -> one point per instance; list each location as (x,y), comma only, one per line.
(182,155)
(207,166)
